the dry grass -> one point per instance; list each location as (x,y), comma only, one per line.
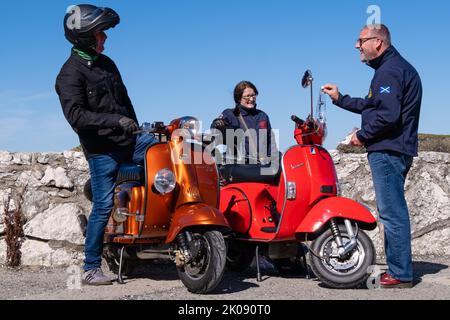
(13,220)
(427,142)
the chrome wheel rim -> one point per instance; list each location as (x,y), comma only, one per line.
(347,266)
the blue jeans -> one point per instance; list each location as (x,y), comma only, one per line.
(142,142)
(389,171)
(103,170)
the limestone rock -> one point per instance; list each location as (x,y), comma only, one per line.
(56,177)
(35,202)
(5,157)
(57,223)
(30,178)
(37,253)
(434,243)
(22,158)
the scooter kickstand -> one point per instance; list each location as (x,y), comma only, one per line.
(258,271)
(119,277)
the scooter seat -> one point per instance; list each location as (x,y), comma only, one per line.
(130,173)
(236,173)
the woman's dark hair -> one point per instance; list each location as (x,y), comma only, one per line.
(239,90)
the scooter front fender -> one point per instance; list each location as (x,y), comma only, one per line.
(336,207)
(197,214)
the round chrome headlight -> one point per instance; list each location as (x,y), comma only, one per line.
(165,181)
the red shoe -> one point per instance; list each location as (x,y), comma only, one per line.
(388,282)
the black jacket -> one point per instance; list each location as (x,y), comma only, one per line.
(390,113)
(93,98)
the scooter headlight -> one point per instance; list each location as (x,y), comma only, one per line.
(165,181)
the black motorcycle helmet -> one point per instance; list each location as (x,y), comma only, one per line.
(83,20)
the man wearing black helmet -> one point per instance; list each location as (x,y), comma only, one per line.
(95,102)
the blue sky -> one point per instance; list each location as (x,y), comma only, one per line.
(185,57)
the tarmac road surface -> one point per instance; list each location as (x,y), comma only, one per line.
(159,281)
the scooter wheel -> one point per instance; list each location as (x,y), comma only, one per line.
(341,273)
(205,271)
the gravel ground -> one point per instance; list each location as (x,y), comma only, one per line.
(159,281)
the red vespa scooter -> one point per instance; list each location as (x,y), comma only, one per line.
(273,215)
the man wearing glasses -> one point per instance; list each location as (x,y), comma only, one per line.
(389,125)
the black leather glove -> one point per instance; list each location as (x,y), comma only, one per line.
(220,124)
(128,125)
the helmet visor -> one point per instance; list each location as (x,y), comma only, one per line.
(93,15)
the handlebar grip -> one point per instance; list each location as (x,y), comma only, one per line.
(297,120)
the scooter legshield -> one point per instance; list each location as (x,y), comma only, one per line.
(197,214)
(336,207)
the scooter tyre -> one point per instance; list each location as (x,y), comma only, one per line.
(343,280)
(214,270)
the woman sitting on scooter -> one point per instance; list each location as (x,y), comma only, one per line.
(254,123)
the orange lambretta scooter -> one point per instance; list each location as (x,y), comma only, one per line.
(169,209)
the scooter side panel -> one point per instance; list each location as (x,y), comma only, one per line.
(158,207)
(295,170)
(236,208)
(335,207)
(246,208)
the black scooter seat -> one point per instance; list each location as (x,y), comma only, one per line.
(237,173)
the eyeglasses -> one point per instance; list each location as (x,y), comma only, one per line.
(361,41)
(247,98)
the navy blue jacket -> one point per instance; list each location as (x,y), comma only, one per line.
(254,119)
(390,112)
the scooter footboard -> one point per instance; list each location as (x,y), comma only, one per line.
(336,207)
(198,214)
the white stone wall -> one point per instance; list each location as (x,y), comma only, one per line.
(52,183)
